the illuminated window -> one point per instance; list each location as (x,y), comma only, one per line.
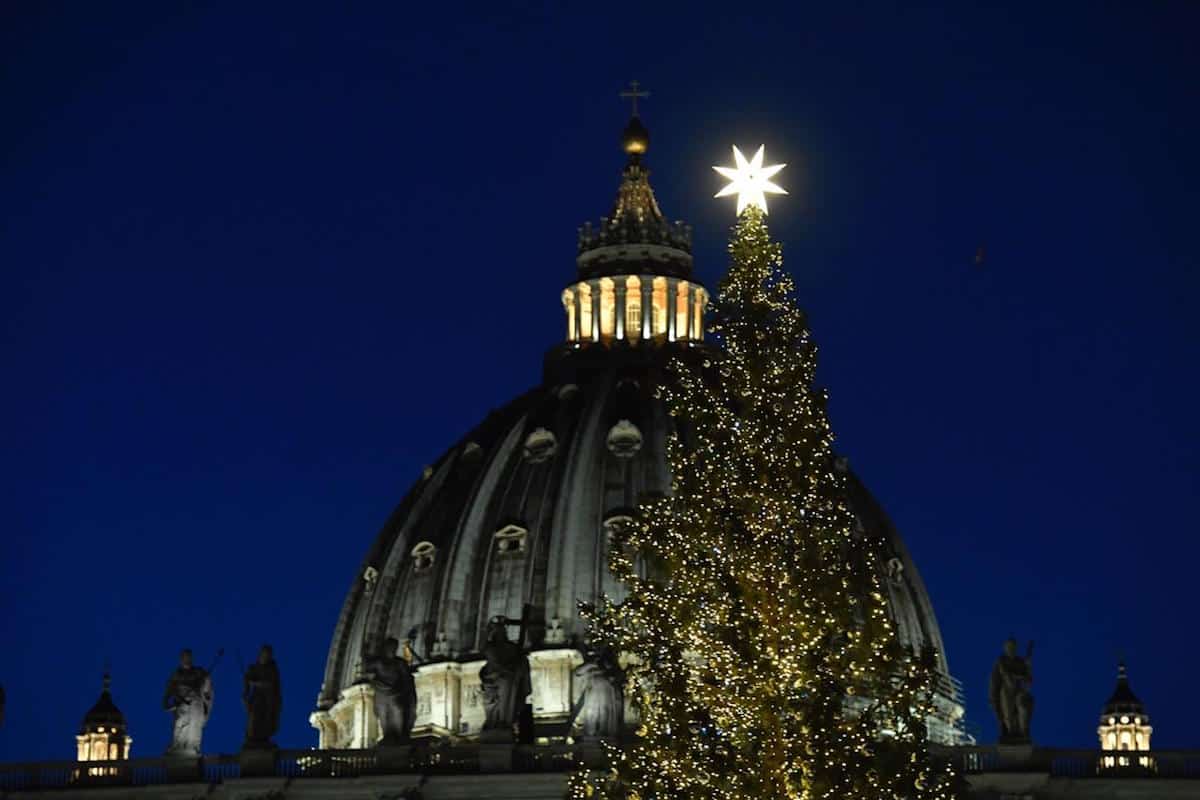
(98,751)
(585,311)
(1112,741)
(510,540)
(633,307)
(608,308)
(1124,740)
(540,446)
(697,305)
(112,752)
(681,310)
(658,304)
(568,298)
(423,556)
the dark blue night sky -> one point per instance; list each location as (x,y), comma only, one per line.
(261,263)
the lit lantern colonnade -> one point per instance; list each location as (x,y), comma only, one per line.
(613,309)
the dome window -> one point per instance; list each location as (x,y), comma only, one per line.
(471,451)
(423,556)
(633,308)
(658,306)
(608,309)
(681,310)
(510,540)
(895,569)
(624,439)
(540,446)
(370,576)
(586,330)
(616,523)
(568,299)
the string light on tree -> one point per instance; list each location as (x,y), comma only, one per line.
(750,180)
(762,656)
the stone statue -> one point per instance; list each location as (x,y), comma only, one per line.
(262,698)
(600,708)
(504,681)
(1008,693)
(395,692)
(189,696)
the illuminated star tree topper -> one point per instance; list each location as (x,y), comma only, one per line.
(750,180)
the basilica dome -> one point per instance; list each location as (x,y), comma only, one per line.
(513,520)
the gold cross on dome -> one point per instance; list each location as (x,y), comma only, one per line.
(633,94)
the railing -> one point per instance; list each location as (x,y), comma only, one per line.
(472,758)
(326,763)
(1061,763)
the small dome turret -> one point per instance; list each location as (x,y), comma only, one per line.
(634,269)
(1124,726)
(103,734)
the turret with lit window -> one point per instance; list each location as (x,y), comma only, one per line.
(634,269)
(103,736)
(1124,732)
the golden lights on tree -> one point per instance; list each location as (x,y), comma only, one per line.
(760,651)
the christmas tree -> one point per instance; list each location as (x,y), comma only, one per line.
(757,640)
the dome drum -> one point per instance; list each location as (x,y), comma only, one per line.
(633,308)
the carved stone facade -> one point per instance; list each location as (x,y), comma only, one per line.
(449,703)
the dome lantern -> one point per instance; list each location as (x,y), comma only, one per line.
(1124,731)
(103,735)
(634,268)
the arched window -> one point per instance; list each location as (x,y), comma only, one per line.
(624,439)
(633,307)
(510,540)
(568,298)
(658,302)
(585,311)
(608,309)
(540,445)
(423,556)
(681,310)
